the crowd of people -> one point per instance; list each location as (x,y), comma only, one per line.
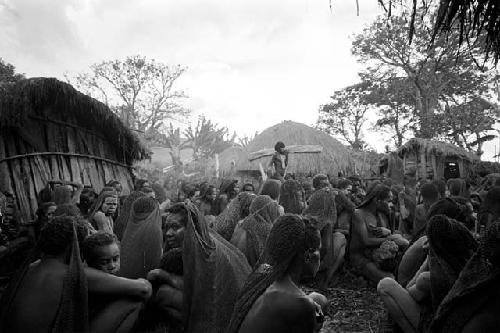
(230,257)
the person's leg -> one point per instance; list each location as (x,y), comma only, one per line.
(411,261)
(373,273)
(339,243)
(401,306)
(119,316)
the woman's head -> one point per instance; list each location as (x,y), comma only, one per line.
(109,203)
(293,240)
(452,209)
(292,197)
(450,240)
(56,236)
(490,208)
(429,193)
(229,187)
(320,181)
(175,226)
(68,210)
(62,195)
(271,188)
(265,207)
(45,211)
(209,193)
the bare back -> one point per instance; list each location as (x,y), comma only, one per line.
(279,311)
(37,301)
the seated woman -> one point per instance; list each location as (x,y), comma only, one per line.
(370,231)
(323,208)
(251,234)
(271,301)
(237,210)
(214,272)
(450,246)
(473,303)
(51,294)
(142,242)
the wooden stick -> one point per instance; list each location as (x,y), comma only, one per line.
(92,157)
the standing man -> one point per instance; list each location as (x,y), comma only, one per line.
(279,161)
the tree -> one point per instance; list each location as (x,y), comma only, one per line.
(245,141)
(435,71)
(139,90)
(8,73)
(471,123)
(207,138)
(345,116)
(396,103)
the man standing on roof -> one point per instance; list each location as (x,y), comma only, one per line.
(279,161)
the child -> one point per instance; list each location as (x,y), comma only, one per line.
(171,262)
(102,251)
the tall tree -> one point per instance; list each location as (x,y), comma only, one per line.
(396,104)
(141,91)
(345,116)
(207,138)
(434,71)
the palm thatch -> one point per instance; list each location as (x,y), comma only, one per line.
(474,19)
(50,98)
(439,148)
(334,158)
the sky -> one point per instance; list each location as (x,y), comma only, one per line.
(251,64)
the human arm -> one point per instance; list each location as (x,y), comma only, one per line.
(169,296)
(76,194)
(108,284)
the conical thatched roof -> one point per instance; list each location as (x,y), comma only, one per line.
(435,147)
(334,158)
(50,98)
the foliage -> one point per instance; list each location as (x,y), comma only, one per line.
(395,101)
(470,123)
(141,91)
(433,72)
(245,141)
(207,138)
(345,116)
(8,73)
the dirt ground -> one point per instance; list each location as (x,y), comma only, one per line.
(354,306)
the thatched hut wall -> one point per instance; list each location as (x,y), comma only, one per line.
(423,157)
(334,158)
(48,130)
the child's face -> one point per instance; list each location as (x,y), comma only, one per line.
(108,258)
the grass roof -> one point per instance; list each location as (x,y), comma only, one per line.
(49,97)
(335,156)
(435,147)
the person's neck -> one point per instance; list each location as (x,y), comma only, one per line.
(288,281)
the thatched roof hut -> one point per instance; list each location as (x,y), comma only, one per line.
(49,130)
(435,159)
(335,156)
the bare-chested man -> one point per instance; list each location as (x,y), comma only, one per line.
(370,228)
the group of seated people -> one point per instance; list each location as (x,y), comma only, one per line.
(201,258)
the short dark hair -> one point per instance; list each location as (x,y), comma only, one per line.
(57,235)
(279,145)
(317,180)
(95,241)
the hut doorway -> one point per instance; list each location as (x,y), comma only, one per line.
(451,170)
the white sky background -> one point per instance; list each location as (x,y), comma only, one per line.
(251,64)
